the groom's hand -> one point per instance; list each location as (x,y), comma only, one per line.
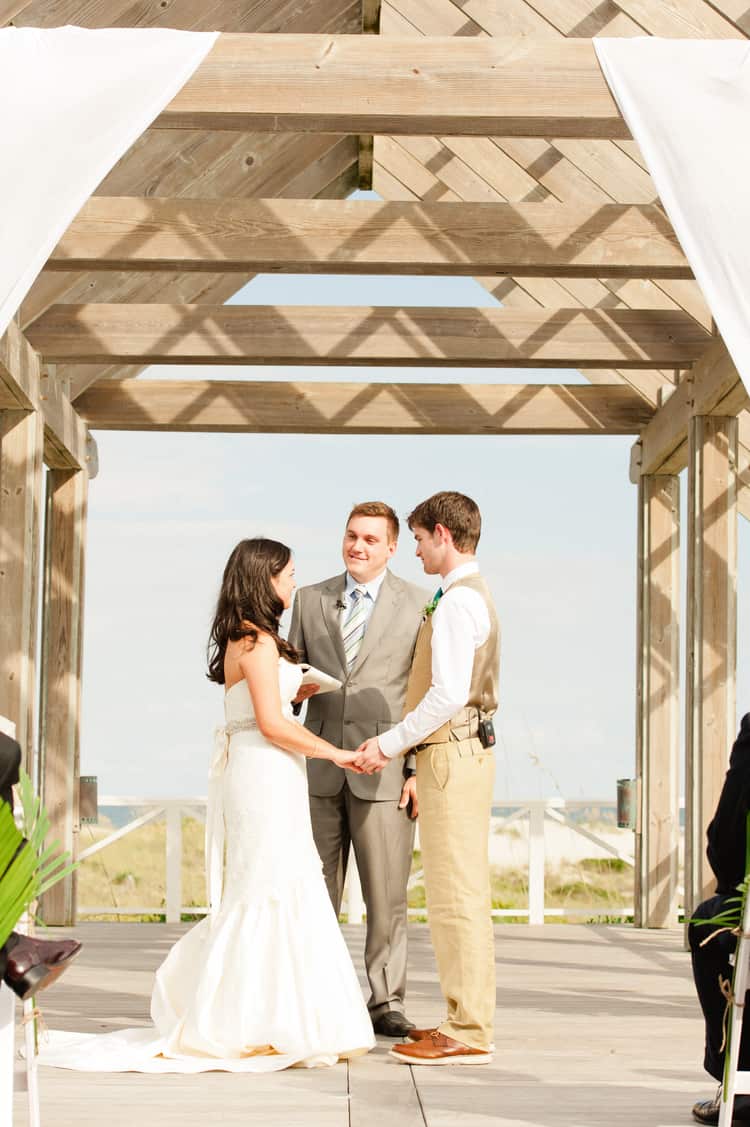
(369,757)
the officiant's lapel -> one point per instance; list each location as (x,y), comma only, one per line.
(329,597)
(381,619)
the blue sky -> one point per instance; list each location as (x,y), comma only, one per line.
(558,547)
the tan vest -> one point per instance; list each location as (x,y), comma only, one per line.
(483,693)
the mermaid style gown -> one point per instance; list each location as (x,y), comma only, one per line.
(265,982)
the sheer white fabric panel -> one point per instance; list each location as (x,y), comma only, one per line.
(72,102)
(687,104)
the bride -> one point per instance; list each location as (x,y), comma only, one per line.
(265,981)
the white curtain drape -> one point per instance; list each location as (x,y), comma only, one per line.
(72,102)
(687,104)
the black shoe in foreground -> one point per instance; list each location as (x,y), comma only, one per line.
(392,1024)
(707,1111)
(34,964)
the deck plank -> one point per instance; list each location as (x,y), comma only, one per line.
(595,1025)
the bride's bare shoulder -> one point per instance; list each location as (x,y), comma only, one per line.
(255,640)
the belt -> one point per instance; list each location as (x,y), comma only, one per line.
(463,726)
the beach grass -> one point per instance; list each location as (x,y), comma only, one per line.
(132,872)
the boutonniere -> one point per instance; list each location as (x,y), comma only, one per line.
(429,610)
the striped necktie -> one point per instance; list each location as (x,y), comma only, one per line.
(354,624)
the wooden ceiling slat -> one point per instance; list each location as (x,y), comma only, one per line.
(415,337)
(250,236)
(461,86)
(362,408)
(586,17)
(680,19)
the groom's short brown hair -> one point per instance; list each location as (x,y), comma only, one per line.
(456,512)
(377,509)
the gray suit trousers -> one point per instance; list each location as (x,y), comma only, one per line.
(382,837)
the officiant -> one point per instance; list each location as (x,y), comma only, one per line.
(361,627)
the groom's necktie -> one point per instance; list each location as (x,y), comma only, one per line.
(354,624)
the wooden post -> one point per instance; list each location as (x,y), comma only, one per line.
(536,862)
(62,628)
(21,447)
(657,726)
(174,863)
(711,649)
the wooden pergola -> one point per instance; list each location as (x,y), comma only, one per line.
(497,151)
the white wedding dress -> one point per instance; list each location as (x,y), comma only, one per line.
(265,982)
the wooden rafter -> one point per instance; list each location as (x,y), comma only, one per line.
(713,387)
(10,9)
(351,237)
(415,337)
(24,387)
(361,408)
(480,87)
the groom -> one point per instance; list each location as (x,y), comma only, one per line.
(361,628)
(451,697)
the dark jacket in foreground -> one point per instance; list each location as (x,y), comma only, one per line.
(727,831)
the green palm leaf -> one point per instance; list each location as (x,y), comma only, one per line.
(27,868)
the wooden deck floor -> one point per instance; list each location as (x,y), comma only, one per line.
(595,1025)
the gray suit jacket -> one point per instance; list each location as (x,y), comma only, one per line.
(372,697)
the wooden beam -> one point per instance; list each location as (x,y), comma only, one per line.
(360,408)
(24,386)
(414,337)
(711,643)
(352,84)
(365,237)
(11,9)
(658,683)
(62,637)
(21,447)
(712,387)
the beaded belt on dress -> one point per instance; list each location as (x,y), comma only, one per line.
(215,809)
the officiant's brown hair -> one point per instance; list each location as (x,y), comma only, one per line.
(248,603)
(456,512)
(377,509)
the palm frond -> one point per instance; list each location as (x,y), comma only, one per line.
(27,867)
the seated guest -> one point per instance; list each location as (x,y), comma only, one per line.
(28,965)
(726,856)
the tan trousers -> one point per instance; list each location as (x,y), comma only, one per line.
(455,783)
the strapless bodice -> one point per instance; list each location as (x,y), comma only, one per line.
(238,703)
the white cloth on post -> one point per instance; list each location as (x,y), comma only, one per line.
(687,104)
(72,102)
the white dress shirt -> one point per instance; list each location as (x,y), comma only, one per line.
(460,625)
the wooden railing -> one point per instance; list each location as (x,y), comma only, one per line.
(537,813)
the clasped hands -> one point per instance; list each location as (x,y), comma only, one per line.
(368,758)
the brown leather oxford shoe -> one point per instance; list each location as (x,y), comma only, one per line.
(439,1049)
(421,1034)
(34,964)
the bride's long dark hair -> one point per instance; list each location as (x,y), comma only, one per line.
(248,602)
